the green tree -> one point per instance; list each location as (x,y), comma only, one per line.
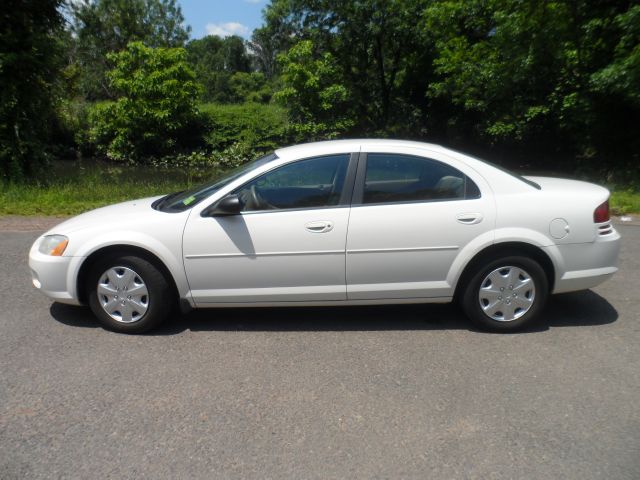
(103,26)
(521,76)
(264,47)
(29,64)
(155,113)
(616,92)
(249,87)
(214,61)
(318,102)
(622,76)
(543,76)
(379,53)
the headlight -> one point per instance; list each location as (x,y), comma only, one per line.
(53,245)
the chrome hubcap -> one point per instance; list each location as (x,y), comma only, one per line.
(507,293)
(123,295)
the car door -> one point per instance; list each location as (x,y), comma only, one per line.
(287,244)
(411,217)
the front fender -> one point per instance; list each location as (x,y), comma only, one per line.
(167,250)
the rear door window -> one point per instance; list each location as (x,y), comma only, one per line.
(393,178)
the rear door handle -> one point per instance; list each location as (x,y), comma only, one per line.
(319,226)
(469,218)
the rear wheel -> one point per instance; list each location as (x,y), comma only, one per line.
(128,294)
(506,294)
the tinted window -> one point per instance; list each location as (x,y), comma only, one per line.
(471,189)
(180,201)
(315,182)
(404,178)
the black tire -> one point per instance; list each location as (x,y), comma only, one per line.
(474,306)
(159,299)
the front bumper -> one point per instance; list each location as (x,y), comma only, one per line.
(51,275)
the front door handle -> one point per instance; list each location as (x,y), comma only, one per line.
(319,226)
(469,218)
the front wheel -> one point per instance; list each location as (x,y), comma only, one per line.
(506,294)
(128,294)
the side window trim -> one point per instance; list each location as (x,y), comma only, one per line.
(349,181)
(358,190)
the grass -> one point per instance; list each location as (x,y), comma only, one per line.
(73,189)
(625,201)
(70,199)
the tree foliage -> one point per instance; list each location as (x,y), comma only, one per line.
(215,62)
(262,127)
(546,79)
(104,26)
(375,46)
(263,47)
(313,92)
(621,77)
(536,74)
(30,63)
(155,113)
(553,76)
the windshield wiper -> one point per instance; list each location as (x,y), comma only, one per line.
(158,204)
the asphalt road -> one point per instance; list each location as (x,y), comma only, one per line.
(392,392)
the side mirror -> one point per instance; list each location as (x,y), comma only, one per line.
(229,205)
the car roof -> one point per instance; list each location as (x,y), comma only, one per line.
(333,146)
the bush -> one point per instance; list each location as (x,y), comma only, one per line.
(261,127)
(249,87)
(312,89)
(156,112)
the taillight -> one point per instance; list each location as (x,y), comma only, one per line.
(601,213)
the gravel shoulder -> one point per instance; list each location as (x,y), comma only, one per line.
(19,223)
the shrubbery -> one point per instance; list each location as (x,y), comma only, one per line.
(264,127)
(155,113)
(314,93)
(226,134)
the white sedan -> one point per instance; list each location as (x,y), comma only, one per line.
(350,222)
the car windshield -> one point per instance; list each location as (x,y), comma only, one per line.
(181,201)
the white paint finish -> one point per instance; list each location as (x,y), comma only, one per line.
(406,250)
(328,303)
(129,223)
(469,218)
(586,264)
(269,255)
(411,246)
(393,254)
(572,200)
(559,228)
(50,272)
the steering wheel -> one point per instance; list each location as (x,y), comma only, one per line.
(257,201)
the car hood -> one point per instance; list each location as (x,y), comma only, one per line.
(113,214)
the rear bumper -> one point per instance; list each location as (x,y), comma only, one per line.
(587,265)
